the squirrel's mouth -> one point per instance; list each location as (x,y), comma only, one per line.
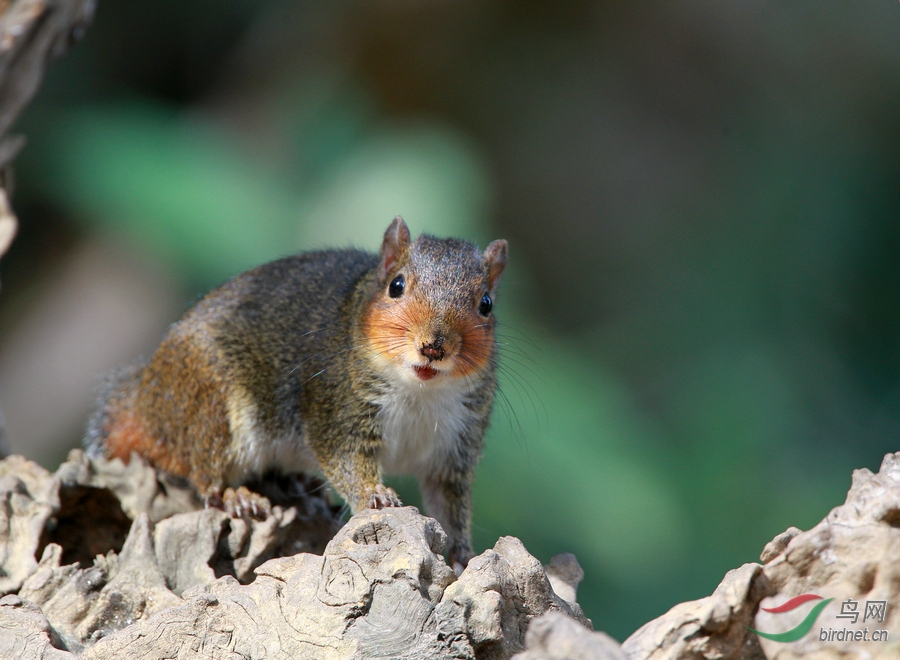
(425,372)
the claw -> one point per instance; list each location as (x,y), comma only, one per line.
(383,497)
(240,502)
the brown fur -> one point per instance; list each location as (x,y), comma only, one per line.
(296,355)
(125,435)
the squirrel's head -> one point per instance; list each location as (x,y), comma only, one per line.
(432,317)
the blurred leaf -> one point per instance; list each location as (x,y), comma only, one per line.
(181,188)
(187,191)
(427,173)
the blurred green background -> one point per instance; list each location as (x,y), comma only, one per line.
(700,321)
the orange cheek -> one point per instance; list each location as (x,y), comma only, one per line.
(475,349)
(386,328)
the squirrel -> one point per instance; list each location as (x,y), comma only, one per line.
(342,361)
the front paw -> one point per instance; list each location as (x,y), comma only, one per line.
(240,502)
(383,497)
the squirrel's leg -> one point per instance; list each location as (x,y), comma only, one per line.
(448,498)
(354,472)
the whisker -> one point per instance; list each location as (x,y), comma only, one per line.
(527,393)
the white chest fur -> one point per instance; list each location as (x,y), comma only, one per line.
(421,424)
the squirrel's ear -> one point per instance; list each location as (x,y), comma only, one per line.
(396,241)
(495,258)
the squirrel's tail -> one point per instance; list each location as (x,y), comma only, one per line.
(117,394)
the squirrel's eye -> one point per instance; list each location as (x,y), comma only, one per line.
(486,305)
(398,284)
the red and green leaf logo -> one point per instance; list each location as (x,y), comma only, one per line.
(804,626)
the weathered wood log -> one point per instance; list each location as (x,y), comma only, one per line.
(32,33)
(183,577)
(853,555)
(181,584)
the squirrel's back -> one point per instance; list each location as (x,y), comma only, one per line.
(237,359)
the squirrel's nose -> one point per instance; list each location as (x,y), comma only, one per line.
(434,350)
